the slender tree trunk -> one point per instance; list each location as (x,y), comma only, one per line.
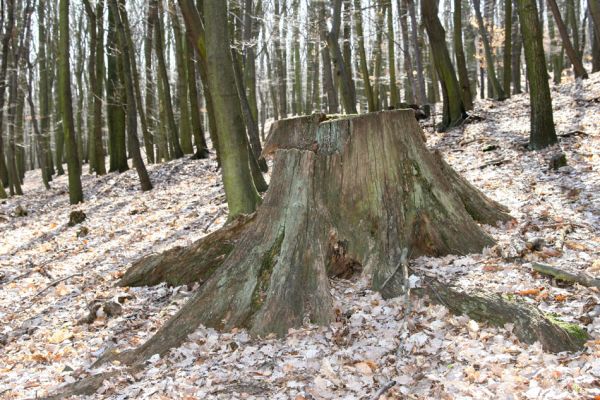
(66,106)
(166,87)
(242,197)
(328,83)
(44,91)
(280,56)
(410,85)
(96,72)
(40,149)
(377,55)
(118,9)
(461,64)
(150,86)
(516,53)
(394,96)
(568,46)
(572,22)
(594,9)
(542,123)
(197,128)
(506,63)
(364,66)
(338,60)
(595,53)
(454,110)
(421,97)
(489,61)
(115,108)
(182,96)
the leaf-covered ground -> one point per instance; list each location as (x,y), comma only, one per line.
(45,342)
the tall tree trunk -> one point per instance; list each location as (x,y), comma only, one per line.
(335,52)
(328,83)
(506,62)
(378,56)
(164,81)
(280,56)
(461,64)
(150,86)
(421,96)
(362,54)
(594,10)
(66,106)
(96,72)
(197,128)
(242,197)
(6,39)
(572,22)
(115,108)
(182,96)
(542,122)
(568,46)
(44,91)
(40,149)
(118,9)
(489,60)
(454,110)
(394,96)
(410,85)
(516,53)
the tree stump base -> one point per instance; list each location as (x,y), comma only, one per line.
(349,194)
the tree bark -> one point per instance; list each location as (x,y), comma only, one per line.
(362,54)
(410,85)
(489,61)
(454,110)
(242,197)
(506,61)
(115,107)
(421,96)
(338,60)
(331,210)
(394,96)
(568,46)
(64,84)
(166,87)
(118,7)
(542,122)
(461,64)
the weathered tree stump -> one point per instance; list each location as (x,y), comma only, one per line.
(346,194)
(354,193)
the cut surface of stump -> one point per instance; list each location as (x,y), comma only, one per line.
(347,194)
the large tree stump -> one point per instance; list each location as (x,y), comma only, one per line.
(347,194)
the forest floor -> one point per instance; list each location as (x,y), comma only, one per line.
(44,343)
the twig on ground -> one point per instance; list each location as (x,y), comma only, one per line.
(56,282)
(212,221)
(383,389)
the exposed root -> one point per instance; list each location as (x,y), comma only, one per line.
(184,265)
(530,325)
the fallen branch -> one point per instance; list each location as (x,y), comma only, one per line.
(56,282)
(383,389)
(561,275)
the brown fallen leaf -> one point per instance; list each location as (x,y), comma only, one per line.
(528,292)
(60,336)
(560,297)
(575,246)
